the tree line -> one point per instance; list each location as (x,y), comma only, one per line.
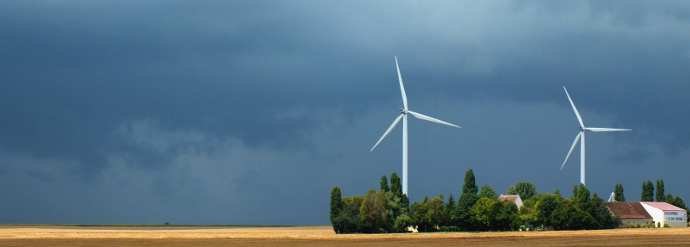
(388,210)
(648,194)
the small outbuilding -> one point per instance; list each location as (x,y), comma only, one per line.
(666,215)
(515,199)
(631,214)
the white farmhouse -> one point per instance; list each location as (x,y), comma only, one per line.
(665,214)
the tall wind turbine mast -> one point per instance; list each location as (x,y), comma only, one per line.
(581,137)
(403,115)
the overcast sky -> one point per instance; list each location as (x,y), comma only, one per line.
(249,112)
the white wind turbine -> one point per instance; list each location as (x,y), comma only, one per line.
(403,115)
(581,137)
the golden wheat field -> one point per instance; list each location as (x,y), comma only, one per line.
(324,236)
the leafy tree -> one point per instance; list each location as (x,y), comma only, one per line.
(545,205)
(581,196)
(660,193)
(383,184)
(436,211)
(602,217)
(348,219)
(393,206)
(506,217)
(404,204)
(618,191)
(336,206)
(429,214)
(527,215)
(402,222)
(373,214)
(488,192)
(647,191)
(396,186)
(451,203)
(450,210)
(525,189)
(484,213)
(470,185)
(461,217)
(571,217)
(676,201)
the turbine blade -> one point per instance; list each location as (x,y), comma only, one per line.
(402,87)
(606,129)
(577,138)
(395,122)
(577,114)
(431,119)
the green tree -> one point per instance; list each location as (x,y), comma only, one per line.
(525,189)
(470,185)
(429,214)
(660,193)
(461,217)
(436,211)
(618,191)
(396,186)
(487,191)
(383,185)
(581,196)
(647,192)
(450,210)
(404,204)
(545,205)
(373,213)
(676,201)
(602,217)
(402,222)
(336,206)
(571,217)
(347,220)
(484,213)
(506,217)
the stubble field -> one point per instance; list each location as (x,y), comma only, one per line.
(324,236)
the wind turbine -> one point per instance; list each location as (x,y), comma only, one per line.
(581,137)
(403,115)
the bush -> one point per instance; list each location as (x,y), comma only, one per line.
(402,222)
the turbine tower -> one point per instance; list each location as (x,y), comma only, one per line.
(403,115)
(581,137)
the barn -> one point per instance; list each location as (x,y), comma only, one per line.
(631,214)
(666,215)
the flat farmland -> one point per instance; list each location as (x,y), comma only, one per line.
(57,236)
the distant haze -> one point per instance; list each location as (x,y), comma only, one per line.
(248,112)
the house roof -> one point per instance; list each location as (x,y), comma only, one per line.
(628,210)
(663,206)
(509,198)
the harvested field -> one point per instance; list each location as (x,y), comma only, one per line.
(324,236)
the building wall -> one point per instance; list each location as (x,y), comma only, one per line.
(676,218)
(667,218)
(636,222)
(657,214)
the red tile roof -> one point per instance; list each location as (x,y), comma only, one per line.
(628,210)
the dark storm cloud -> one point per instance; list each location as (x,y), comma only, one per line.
(128,111)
